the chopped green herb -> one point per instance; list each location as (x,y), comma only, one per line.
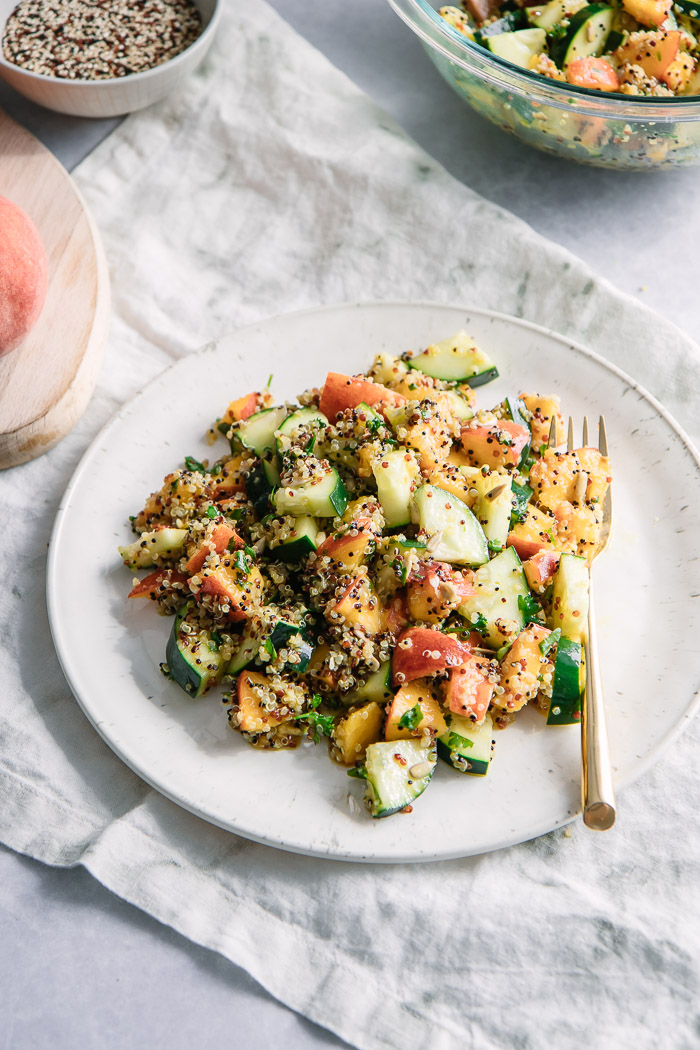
(216,637)
(503,651)
(232,545)
(495,547)
(216,469)
(520,501)
(212,512)
(480,625)
(322,724)
(193,464)
(269,381)
(530,608)
(250,552)
(241,562)
(360,772)
(455,742)
(270,649)
(411,719)
(543,449)
(550,641)
(374,424)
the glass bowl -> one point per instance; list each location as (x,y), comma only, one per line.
(592,127)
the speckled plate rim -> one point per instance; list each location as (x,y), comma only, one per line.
(70,657)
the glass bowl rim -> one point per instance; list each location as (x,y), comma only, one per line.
(433,30)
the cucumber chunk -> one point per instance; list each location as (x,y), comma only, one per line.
(457,536)
(546,16)
(301,542)
(153,547)
(292,636)
(258,488)
(459,406)
(258,431)
(565,705)
(377,687)
(323,497)
(192,655)
(495,610)
(570,597)
(467,747)
(395,474)
(395,782)
(494,506)
(308,419)
(457,359)
(247,650)
(519,47)
(588,30)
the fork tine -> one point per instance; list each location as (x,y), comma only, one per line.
(570,436)
(602,436)
(552,439)
(585,432)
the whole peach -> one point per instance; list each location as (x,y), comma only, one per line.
(23,275)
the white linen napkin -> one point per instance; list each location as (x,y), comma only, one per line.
(269,183)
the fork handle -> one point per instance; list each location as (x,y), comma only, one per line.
(598,789)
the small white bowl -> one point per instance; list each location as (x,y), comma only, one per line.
(111,98)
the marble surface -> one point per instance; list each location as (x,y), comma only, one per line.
(78,967)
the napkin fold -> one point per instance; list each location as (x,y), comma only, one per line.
(269,183)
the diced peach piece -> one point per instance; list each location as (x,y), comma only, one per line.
(577,529)
(231,479)
(148,587)
(542,409)
(238,589)
(216,543)
(346,552)
(540,569)
(494,444)
(341,392)
(521,668)
(468,691)
(423,651)
(253,717)
(654,52)
(430,439)
(419,692)
(648,12)
(533,534)
(435,589)
(241,408)
(680,72)
(319,670)
(360,606)
(354,733)
(395,614)
(450,478)
(593,73)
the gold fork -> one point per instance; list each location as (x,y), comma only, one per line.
(597,789)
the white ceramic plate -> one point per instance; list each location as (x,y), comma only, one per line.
(647,590)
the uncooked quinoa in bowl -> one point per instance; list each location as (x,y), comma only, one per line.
(381,565)
(103,58)
(613,84)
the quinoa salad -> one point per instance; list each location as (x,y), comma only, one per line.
(381,566)
(632,47)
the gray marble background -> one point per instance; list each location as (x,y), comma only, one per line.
(78,967)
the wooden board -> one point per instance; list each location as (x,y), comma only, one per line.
(46,383)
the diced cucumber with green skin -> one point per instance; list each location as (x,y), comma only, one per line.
(395,474)
(508,23)
(498,585)
(371,415)
(467,747)
(570,597)
(324,498)
(459,405)
(588,30)
(377,687)
(565,705)
(688,7)
(301,542)
(521,496)
(456,535)
(280,638)
(258,489)
(546,16)
(247,650)
(193,658)
(258,431)
(308,419)
(518,48)
(615,38)
(457,360)
(494,506)
(394,783)
(152,548)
